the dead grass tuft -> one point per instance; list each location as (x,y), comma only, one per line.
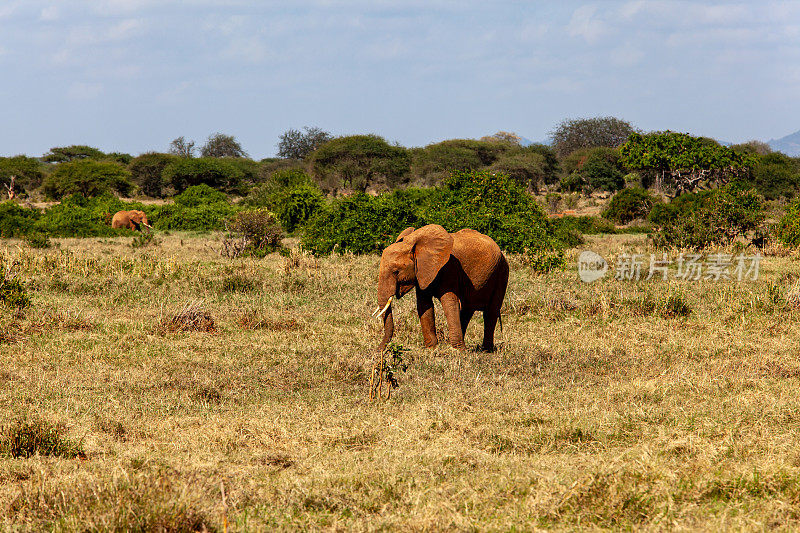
(192,317)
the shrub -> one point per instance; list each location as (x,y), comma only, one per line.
(710,217)
(774,175)
(145,239)
(146,172)
(255,233)
(198,208)
(16,221)
(221,174)
(296,206)
(38,240)
(495,205)
(593,169)
(362,223)
(88,178)
(78,216)
(13,292)
(570,230)
(546,261)
(629,204)
(788,228)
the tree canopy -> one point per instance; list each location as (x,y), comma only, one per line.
(87,178)
(63,154)
(355,162)
(181,147)
(221,145)
(576,133)
(295,144)
(682,162)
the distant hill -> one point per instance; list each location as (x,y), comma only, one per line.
(789,145)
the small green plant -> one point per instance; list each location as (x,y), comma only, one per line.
(238,283)
(546,261)
(14,293)
(145,239)
(38,240)
(27,437)
(391,360)
(675,305)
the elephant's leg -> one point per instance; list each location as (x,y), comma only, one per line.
(466,316)
(427,320)
(452,312)
(489,323)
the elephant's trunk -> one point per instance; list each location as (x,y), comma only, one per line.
(386,290)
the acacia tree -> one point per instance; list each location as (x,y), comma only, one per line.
(295,144)
(576,133)
(221,145)
(681,162)
(358,161)
(63,154)
(181,147)
(20,172)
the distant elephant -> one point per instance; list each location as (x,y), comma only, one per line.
(465,270)
(130,219)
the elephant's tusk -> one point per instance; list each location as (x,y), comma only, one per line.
(148,225)
(378,314)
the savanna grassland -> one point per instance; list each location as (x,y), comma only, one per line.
(653,405)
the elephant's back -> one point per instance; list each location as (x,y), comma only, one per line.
(480,257)
(117,221)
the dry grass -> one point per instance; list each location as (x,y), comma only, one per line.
(614,405)
(191,317)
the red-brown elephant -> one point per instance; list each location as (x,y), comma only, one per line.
(465,270)
(130,219)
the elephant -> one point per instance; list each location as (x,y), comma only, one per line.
(465,270)
(130,219)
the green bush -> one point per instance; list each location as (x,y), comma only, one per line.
(494,204)
(570,229)
(15,220)
(13,292)
(198,208)
(629,204)
(295,206)
(788,228)
(78,216)
(254,233)
(774,176)
(362,223)
(38,240)
(711,217)
(271,192)
(146,172)
(88,178)
(593,169)
(219,173)
(546,261)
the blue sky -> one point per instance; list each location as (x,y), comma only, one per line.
(131,75)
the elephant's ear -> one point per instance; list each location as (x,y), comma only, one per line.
(432,248)
(403,233)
